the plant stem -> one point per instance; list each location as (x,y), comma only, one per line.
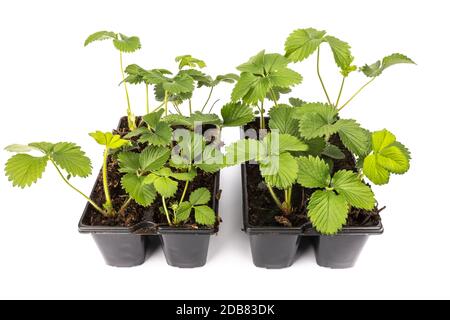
(166,99)
(125,205)
(74,188)
(209,97)
(166,211)
(340,91)
(177,109)
(184,192)
(357,92)
(108,203)
(320,77)
(131,123)
(190,106)
(274,196)
(274,97)
(212,106)
(262,120)
(147,106)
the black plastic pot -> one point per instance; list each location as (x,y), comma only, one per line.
(126,247)
(272,247)
(188,248)
(276,247)
(342,250)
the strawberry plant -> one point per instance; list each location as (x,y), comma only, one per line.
(123,44)
(24,169)
(176,89)
(310,144)
(264,76)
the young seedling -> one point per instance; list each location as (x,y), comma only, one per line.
(151,173)
(275,155)
(68,159)
(110,142)
(264,76)
(125,45)
(329,206)
(180,87)
(302,43)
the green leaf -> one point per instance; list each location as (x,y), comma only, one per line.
(302,43)
(185,176)
(129,162)
(282,119)
(144,194)
(333,152)
(183,212)
(212,159)
(179,84)
(161,136)
(127,44)
(403,148)
(177,120)
(377,68)
(250,88)
(189,61)
(45,147)
(326,111)
(341,52)
(315,146)
(278,143)
(349,185)
(111,141)
(165,186)
(153,118)
(376,173)
(284,78)
(313,125)
(280,171)
(244,150)
(393,159)
(228,78)
(71,158)
(200,196)
(205,118)
(153,158)
(276,92)
(236,114)
(205,215)
(136,132)
(100,36)
(23,169)
(296,102)
(20,148)
(313,172)
(261,74)
(354,138)
(327,211)
(382,139)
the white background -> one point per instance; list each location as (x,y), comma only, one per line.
(51,88)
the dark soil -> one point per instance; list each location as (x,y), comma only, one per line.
(134,212)
(264,212)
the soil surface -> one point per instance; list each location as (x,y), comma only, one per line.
(264,212)
(134,212)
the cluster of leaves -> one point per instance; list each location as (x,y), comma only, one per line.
(24,169)
(310,138)
(177,88)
